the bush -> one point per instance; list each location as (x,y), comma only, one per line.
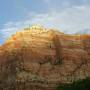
(79,85)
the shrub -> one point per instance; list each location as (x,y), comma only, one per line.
(79,85)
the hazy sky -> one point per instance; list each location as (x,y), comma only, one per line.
(69,16)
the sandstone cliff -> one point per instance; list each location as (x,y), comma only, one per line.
(42,59)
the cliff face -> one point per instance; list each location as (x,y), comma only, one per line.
(40,58)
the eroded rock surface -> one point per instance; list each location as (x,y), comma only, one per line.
(41,59)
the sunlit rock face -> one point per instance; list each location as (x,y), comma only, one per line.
(40,59)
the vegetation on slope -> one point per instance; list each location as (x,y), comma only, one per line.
(79,85)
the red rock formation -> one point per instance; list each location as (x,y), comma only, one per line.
(39,58)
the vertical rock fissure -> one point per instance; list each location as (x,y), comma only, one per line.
(58,48)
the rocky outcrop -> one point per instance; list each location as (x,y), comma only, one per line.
(41,59)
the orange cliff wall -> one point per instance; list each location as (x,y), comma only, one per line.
(49,57)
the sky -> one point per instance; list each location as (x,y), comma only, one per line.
(69,16)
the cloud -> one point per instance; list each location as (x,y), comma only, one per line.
(7,32)
(47,1)
(70,20)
